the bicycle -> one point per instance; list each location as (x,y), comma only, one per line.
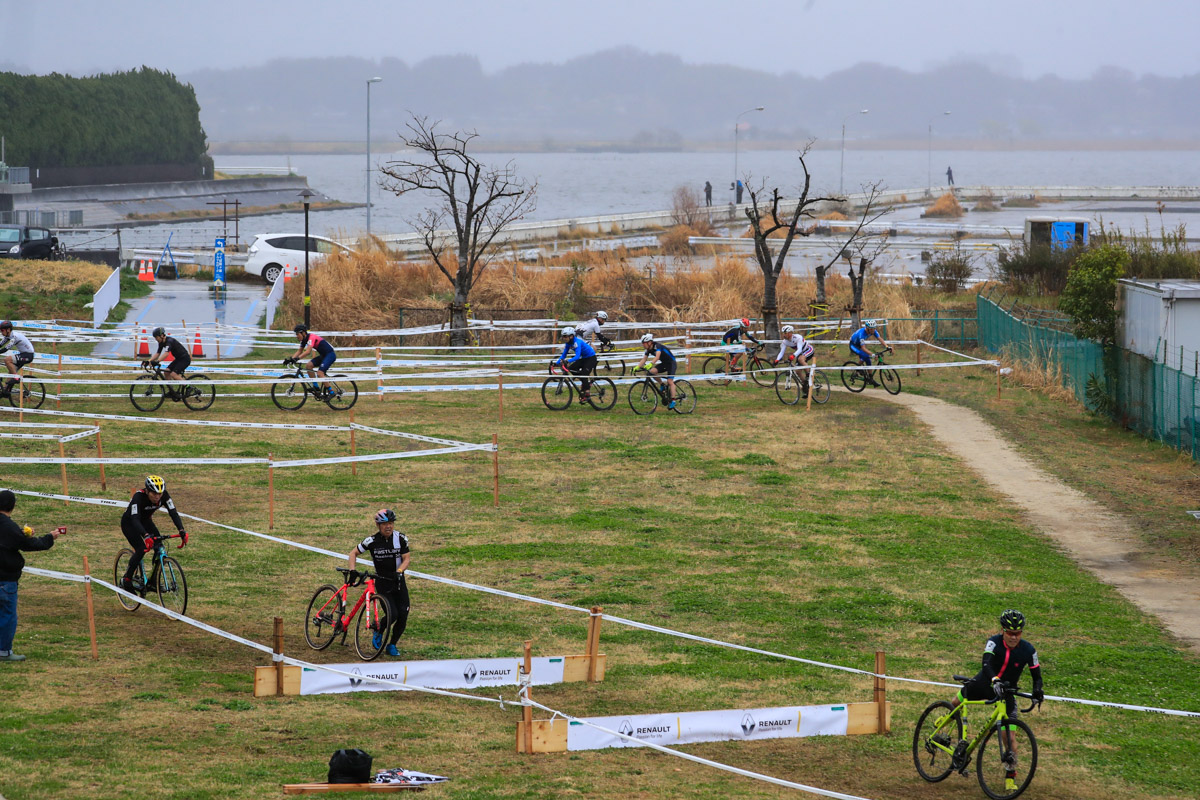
(754,365)
(25,393)
(291,391)
(792,384)
(326,616)
(558,391)
(645,395)
(166,577)
(608,368)
(148,392)
(859,378)
(940,745)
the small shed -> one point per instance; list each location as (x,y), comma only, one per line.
(1060,233)
(1159,317)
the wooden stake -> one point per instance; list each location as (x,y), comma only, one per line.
(217,337)
(528,710)
(20,387)
(353,464)
(100,454)
(918,357)
(495,471)
(379,368)
(270,493)
(593,643)
(91,609)
(278,649)
(63,455)
(881,691)
(997,381)
(500,375)
(812,373)
(58,386)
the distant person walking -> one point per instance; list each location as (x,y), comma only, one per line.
(949,176)
(740,189)
(707,193)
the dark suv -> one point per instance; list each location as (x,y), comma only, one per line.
(24,241)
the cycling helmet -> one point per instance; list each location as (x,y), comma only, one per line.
(745,322)
(154,483)
(568,331)
(300,328)
(158,332)
(6,325)
(788,329)
(869,323)
(384,515)
(1012,620)
(602,315)
(647,338)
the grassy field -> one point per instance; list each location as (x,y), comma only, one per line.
(828,534)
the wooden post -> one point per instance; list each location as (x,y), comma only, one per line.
(63,455)
(217,337)
(881,691)
(997,380)
(57,385)
(812,374)
(20,387)
(495,472)
(100,454)
(593,643)
(353,464)
(500,376)
(270,493)
(687,343)
(492,342)
(379,369)
(918,356)
(528,710)
(278,649)
(91,609)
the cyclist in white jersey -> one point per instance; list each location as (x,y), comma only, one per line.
(591,328)
(24,355)
(801,352)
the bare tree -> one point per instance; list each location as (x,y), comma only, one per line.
(475,203)
(861,243)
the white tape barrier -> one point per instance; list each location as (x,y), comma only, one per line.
(614,619)
(10,424)
(440,451)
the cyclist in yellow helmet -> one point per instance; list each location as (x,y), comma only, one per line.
(139,528)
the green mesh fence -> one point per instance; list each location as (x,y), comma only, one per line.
(1156,400)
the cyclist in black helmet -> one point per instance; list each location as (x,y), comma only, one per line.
(389,550)
(180,360)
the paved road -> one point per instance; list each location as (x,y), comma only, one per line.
(178,305)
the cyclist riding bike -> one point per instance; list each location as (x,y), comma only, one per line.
(1005,656)
(389,551)
(139,528)
(17,360)
(658,360)
(858,345)
(734,336)
(583,363)
(321,352)
(801,352)
(590,329)
(181,359)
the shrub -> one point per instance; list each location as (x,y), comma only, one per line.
(1037,269)
(986,201)
(949,270)
(945,206)
(1090,296)
(675,241)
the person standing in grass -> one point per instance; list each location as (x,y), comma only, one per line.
(14,539)
(389,551)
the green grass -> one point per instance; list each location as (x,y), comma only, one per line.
(828,534)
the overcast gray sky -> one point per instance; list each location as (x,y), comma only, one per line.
(1070,38)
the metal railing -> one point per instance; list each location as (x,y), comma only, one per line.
(43,219)
(14,175)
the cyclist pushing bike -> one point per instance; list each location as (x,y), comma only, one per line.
(180,360)
(138,526)
(658,360)
(858,341)
(389,550)
(583,363)
(17,360)
(321,353)
(734,336)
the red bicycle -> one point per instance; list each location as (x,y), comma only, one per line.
(327,617)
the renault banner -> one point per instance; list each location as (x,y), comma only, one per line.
(465,674)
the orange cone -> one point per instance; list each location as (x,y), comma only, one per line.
(145,273)
(287,272)
(143,346)
(197,347)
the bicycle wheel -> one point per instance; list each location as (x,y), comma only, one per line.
(290,392)
(853,379)
(603,394)
(611,368)
(345,393)
(890,379)
(30,394)
(932,749)
(146,393)
(716,366)
(371,630)
(760,373)
(119,567)
(199,394)
(322,617)
(787,387)
(997,758)
(643,398)
(172,586)
(820,387)
(685,397)
(556,393)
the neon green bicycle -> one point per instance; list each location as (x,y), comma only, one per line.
(1007,750)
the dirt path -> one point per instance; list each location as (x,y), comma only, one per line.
(1102,542)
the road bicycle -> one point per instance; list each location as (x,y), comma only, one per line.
(166,579)
(646,394)
(291,391)
(860,377)
(605,367)
(757,367)
(942,744)
(25,393)
(326,616)
(148,392)
(558,391)
(792,384)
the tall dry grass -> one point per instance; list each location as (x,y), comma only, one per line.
(48,277)
(945,206)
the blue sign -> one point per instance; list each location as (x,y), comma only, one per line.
(219,263)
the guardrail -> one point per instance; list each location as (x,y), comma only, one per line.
(43,219)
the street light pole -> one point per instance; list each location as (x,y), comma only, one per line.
(929,166)
(842,169)
(306,196)
(369,82)
(736,122)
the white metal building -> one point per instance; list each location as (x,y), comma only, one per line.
(1159,317)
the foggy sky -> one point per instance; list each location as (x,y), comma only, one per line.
(1020,38)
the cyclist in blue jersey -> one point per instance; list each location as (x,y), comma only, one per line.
(658,360)
(858,345)
(321,352)
(734,336)
(583,363)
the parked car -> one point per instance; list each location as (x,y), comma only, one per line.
(271,252)
(24,241)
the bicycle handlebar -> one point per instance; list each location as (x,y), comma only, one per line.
(362,576)
(1009,691)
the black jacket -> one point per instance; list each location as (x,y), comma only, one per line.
(12,542)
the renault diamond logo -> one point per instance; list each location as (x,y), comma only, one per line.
(356,682)
(470,673)
(747,725)
(626,728)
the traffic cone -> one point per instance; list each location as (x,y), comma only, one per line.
(143,346)
(197,347)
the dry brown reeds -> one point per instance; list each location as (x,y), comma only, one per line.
(42,277)
(1042,376)
(945,206)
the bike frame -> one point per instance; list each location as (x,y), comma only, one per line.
(157,560)
(342,598)
(998,713)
